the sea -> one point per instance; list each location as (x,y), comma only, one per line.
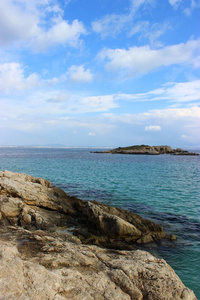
(164,188)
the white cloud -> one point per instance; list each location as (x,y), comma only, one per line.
(141,60)
(187,7)
(91,133)
(12,78)
(153,128)
(55,97)
(25,21)
(139,27)
(112,24)
(184,136)
(44,110)
(193,5)
(12,27)
(168,115)
(136,4)
(155,32)
(173,92)
(99,103)
(150,32)
(174,2)
(60,33)
(61,102)
(79,74)
(183,91)
(175,113)
(172,121)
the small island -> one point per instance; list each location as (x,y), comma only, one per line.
(148,150)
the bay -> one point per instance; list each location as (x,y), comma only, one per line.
(162,188)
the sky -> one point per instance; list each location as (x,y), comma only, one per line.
(100,73)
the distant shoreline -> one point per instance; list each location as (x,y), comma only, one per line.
(194,148)
(57,147)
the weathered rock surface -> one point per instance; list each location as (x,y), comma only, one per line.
(39,259)
(42,265)
(34,204)
(148,150)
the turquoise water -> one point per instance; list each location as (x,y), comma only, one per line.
(162,188)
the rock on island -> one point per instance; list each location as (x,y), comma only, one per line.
(148,150)
(53,246)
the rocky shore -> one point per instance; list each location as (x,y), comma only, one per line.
(148,150)
(53,246)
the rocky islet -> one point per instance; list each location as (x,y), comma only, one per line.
(148,150)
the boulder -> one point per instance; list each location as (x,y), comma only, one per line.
(109,224)
(11,207)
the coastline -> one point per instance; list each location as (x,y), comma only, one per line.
(30,214)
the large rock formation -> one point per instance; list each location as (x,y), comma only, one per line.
(46,249)
(34,204)
(148,150)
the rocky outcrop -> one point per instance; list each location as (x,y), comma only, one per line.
(34,204)
(46,249)
(49,265)
(148,150)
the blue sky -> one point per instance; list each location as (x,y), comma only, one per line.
(100,72)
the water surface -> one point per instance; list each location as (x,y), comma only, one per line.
(162,188)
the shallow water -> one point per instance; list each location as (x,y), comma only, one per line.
(162,188)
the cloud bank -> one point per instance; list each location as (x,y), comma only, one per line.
(37,30)
(137,61)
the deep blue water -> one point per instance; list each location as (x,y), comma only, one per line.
(162,188)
